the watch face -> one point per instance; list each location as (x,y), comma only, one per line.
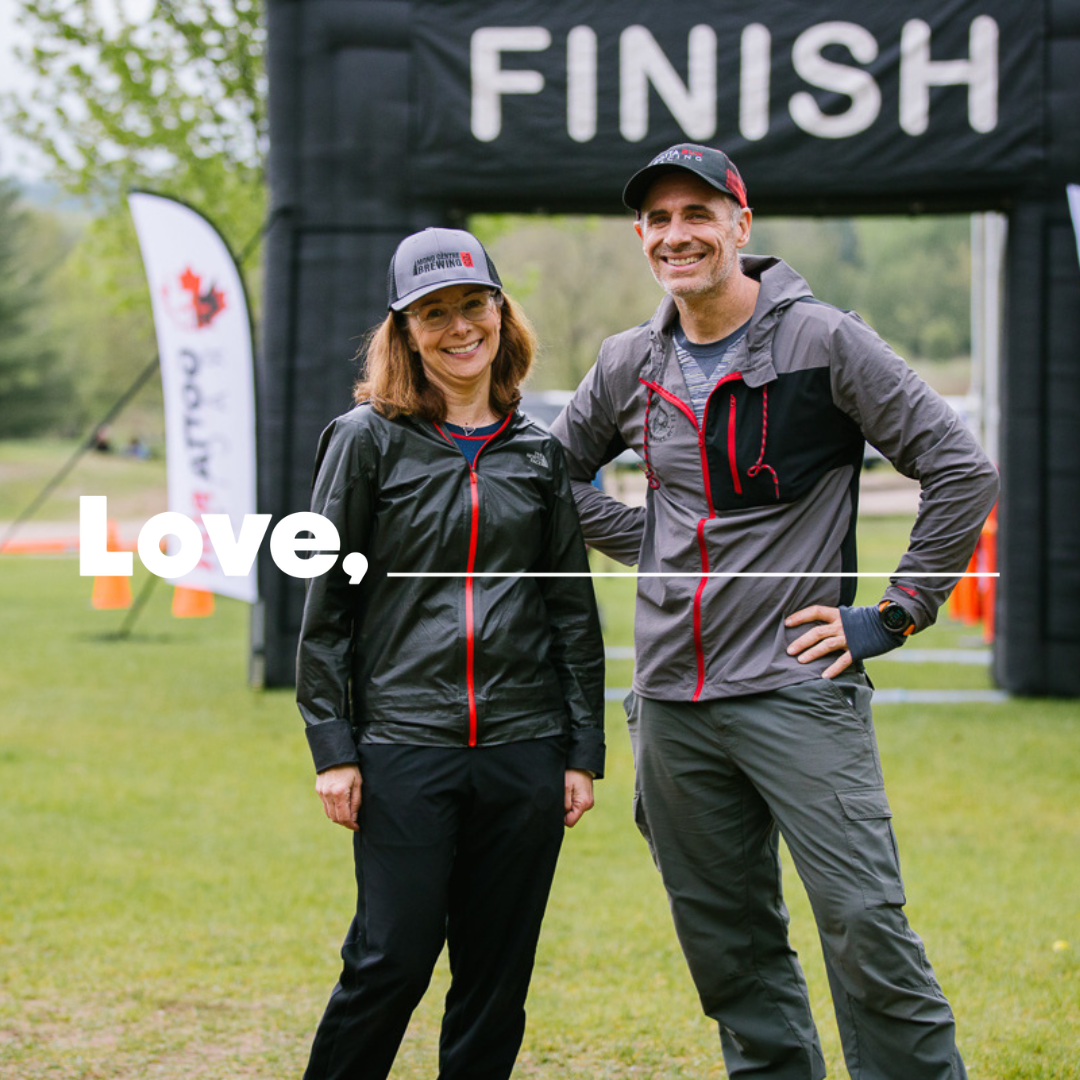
(895,618)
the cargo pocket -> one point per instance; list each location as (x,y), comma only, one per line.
(642,822)
(868,824)
(630,705)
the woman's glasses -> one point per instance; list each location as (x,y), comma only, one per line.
(475,308)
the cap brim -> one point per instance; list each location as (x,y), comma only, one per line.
(404,301)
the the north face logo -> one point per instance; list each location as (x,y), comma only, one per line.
(538,459)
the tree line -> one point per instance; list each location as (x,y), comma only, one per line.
(176,103)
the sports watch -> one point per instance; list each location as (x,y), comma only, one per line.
(895,618)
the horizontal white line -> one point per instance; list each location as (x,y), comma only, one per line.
(894,696)
(975,657)
(898,695)
(711,573)
(907,655)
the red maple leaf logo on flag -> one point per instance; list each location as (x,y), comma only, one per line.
(207,305)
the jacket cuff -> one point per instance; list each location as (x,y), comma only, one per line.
(865,635)
(913,601)
(587,751)
(331,744)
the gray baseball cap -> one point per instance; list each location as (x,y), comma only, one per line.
(435,258)
(712,166)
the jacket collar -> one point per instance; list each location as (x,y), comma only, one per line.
(780,288)
(427,428)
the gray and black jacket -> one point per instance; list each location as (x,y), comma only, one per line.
(769,484)
(449,661)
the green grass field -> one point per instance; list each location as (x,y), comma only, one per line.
(172,898)
(135,488)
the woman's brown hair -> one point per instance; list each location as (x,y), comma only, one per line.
(395,383)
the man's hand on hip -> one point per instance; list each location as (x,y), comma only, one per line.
(826,637)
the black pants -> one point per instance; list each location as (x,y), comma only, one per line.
(456,845)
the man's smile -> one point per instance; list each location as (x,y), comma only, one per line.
(683,260)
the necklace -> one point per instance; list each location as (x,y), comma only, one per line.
(468,427)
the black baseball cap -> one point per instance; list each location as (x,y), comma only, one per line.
(713,166)
(435,258)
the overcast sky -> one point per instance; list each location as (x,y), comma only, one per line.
(16,158)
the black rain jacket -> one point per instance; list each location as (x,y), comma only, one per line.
(449,661)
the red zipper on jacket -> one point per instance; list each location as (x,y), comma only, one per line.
(731,446)
(699,647)
(474,529)
(470,636)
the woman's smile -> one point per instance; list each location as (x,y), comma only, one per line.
(463,351)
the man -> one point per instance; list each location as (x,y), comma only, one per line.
(749,402)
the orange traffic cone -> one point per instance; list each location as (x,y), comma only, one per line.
(111,592)
(192,603)
(964,602)
(988,544)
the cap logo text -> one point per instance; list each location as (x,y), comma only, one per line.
(442,260)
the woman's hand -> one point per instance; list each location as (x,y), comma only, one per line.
(339,789)
(579,795)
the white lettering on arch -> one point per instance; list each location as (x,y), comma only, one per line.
(642,63)
(581,83)
(854,83)
(490,82)
(918,73)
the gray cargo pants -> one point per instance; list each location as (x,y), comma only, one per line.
(715,780)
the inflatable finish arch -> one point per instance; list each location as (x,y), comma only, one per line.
(390,115)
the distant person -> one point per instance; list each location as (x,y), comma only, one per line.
(456,722)
(136,448)
(101,441)
(749,402)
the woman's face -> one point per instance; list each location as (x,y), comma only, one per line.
(457,357)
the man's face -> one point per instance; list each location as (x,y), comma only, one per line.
(691,234)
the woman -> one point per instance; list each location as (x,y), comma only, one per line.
(456,722)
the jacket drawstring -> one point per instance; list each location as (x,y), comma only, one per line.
(760,463)
(650,476)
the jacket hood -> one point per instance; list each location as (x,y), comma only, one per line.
(780,288)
